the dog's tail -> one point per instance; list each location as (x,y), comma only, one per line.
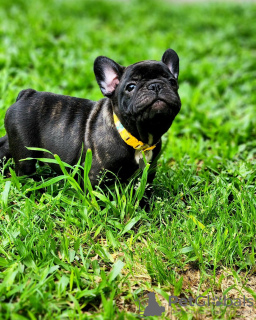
(4,148)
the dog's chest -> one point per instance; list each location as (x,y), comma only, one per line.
(138,155)
(148,154)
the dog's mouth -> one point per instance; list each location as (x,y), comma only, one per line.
(158,105)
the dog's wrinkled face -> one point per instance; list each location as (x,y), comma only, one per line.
(144,95)
(148,87)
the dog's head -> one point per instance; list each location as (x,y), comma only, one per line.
(144,95)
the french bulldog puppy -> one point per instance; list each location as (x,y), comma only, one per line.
(140,104)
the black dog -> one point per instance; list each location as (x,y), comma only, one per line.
(140,104)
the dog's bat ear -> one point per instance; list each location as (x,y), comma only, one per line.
(171,59)
(108,74)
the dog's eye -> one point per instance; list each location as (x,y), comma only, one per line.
(173,82)
(130,87)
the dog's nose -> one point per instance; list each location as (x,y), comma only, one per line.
(156,86)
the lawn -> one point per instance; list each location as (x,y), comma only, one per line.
(66,254)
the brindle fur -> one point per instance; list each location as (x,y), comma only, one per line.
(67,125)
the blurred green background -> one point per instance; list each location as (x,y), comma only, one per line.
(51,46)
(53,249)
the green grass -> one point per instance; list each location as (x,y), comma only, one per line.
(66,254)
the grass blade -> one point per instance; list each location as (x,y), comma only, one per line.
(116,270)
(48,183)
(5,193)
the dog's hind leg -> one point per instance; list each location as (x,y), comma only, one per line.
(4,148)
(23,167)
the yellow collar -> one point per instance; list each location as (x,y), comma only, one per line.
(130,139)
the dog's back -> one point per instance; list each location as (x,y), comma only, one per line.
(42,119)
